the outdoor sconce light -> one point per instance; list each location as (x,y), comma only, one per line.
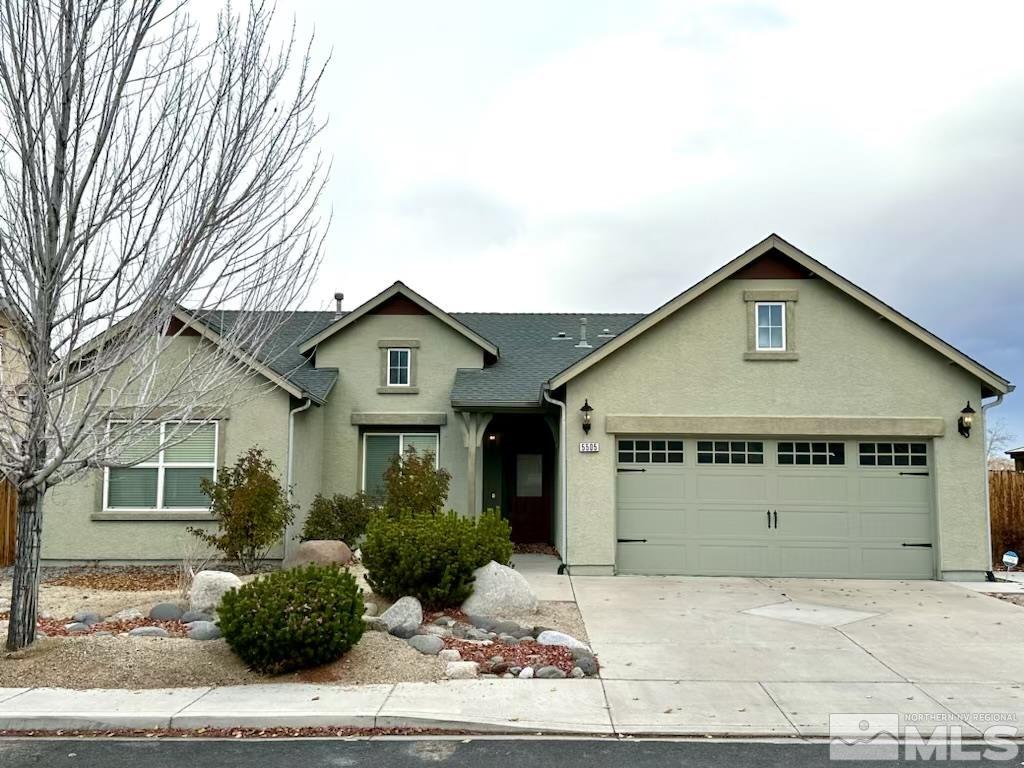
(963,424)
(586,410)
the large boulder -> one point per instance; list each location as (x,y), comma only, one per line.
(405,612)
(208,587)
(498,590)
(551,637)
(318,552)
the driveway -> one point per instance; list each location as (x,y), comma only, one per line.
(764,656)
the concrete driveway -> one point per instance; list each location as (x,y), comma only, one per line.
(764,656)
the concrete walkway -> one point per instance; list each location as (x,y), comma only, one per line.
(680,656)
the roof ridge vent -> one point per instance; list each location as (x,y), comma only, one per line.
(583,343)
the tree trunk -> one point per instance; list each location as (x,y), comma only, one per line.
(21,631)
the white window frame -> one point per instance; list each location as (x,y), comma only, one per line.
(757,325)
(157,463)
(408,366)
(401,448)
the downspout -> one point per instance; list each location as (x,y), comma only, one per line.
(563,482)
(291,449)
(988,509)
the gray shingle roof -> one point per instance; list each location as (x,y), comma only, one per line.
(281,354)
(529,354)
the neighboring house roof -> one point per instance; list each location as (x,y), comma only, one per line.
(530,354)
(397,289)
(994,383)
(280,354)
(1015,451)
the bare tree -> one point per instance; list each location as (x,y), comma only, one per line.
(151,172)
(998,440)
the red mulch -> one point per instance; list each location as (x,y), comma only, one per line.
(429,617)
(55,627)
(119,579)
(527,653)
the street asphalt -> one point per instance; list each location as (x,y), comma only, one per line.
(410,753)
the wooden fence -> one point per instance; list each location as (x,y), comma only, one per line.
(8,521)
(1006,502)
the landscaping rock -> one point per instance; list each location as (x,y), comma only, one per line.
(370,609)
(190,616)
(508,639)
(165,612)
(526,673)
(149,632)
(482,622)
(449,654)
(208,587)
(87,617)
(499,590)
(203,630)
(577,673)
(505,627)
(551,637)
(444,621)
(426,644)
(462,670)
(76,626)
(477,634)
(404,631)
(538,631)
(585,661)
(374,624)
(550,673)
(407,610)
(514,671)
(128,614)
(318,552)
(433,629)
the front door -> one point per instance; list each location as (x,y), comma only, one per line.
(530,513)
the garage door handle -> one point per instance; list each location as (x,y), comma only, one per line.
(929,546)
(919,474)
(628,469)
(776,516)
(769,513)
(640,541)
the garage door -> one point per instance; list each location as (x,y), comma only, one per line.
(836,508)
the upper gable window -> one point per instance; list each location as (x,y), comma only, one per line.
(398,367)
(771,326)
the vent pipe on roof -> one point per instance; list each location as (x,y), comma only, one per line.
(606,334)
(561,336)
(583,344)
(338,298)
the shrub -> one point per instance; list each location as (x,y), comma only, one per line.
(338,517)
(250,507)
(432,557)
(293,619)
(413,484)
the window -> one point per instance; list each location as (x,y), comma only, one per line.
(894,454)
(169,479)
(398,367)
(650,451)
(770,319)
(730,452)
(818,454)
(380,448)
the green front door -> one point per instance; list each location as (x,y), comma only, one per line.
(837,508)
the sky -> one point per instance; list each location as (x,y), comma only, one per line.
(582,156)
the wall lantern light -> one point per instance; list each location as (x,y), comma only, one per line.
(963,424)
(586,410)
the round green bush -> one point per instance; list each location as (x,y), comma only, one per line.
(338,517)
(293,619)
(432,556)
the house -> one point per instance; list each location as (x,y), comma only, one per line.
(1017,455)
(774,419)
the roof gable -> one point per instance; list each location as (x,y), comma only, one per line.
(773,255)
(398,299)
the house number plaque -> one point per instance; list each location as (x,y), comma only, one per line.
(590,447)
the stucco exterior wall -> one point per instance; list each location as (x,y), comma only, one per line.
(355,351)
(306,466)
(851,364)
(258,416)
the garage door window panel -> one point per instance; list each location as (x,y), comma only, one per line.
(821,454)
(901,454)
(730,452)
(650,451)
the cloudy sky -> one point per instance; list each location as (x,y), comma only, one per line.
(579,156)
